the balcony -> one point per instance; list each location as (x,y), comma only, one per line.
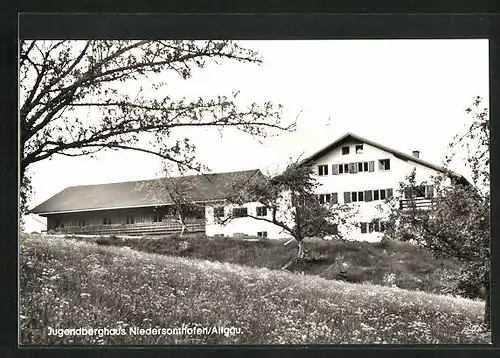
(416,203)
(139,229)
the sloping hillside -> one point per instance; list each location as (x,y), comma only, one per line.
(67,284)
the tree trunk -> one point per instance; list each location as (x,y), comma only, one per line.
(184,228)
(487,309)
(300,252)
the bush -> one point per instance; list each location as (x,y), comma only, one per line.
(109,240)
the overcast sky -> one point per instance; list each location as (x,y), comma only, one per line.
(405,94)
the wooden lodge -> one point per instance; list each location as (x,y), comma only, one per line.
(146,207)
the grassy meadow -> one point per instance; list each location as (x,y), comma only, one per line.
(389,263)
(71,284)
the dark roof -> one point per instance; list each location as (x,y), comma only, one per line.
(396,153)
(196,188)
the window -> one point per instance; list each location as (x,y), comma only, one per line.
(341,168)
(363,228)
(384,164)
(240,212)
(374,226)
(130,219)
(416,192)
(420,191)
(359,148)
(324,198)
(360,196)
(157,218)
(382,194)
(376,195)
(345,150)
(261,211)
(362,166)
(354,196)
(346,168)
(219,211)
(322,169)
(262,234)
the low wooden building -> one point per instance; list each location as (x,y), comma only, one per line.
(139,207)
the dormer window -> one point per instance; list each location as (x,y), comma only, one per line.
(345,150)
(359,148)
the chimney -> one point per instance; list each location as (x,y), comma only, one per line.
(416,153)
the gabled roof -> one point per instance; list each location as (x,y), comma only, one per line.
(145,193)
(407,157)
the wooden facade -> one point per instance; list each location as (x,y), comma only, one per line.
(134,221)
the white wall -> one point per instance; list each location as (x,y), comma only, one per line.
(362,181)
(245,225)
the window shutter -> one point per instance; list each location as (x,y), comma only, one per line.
(355,167)
(335,169)
(429,193)
(352,167)
(407,192)
(335,198)
(380,166)
(347,197)
(389,193)
(371,166)
(320,170)
(368,195)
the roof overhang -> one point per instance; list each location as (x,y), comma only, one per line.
(118,207)
(400,155)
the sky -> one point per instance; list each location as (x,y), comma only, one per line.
(405,94)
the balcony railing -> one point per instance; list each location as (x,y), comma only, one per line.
(417,203)
(157,228)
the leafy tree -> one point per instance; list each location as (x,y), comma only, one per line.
(179,192)
(121,86)
(293,205)
(457,222)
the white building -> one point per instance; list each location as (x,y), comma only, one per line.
(351,170)
(363,173)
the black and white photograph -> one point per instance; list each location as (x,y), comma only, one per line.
(254,192)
